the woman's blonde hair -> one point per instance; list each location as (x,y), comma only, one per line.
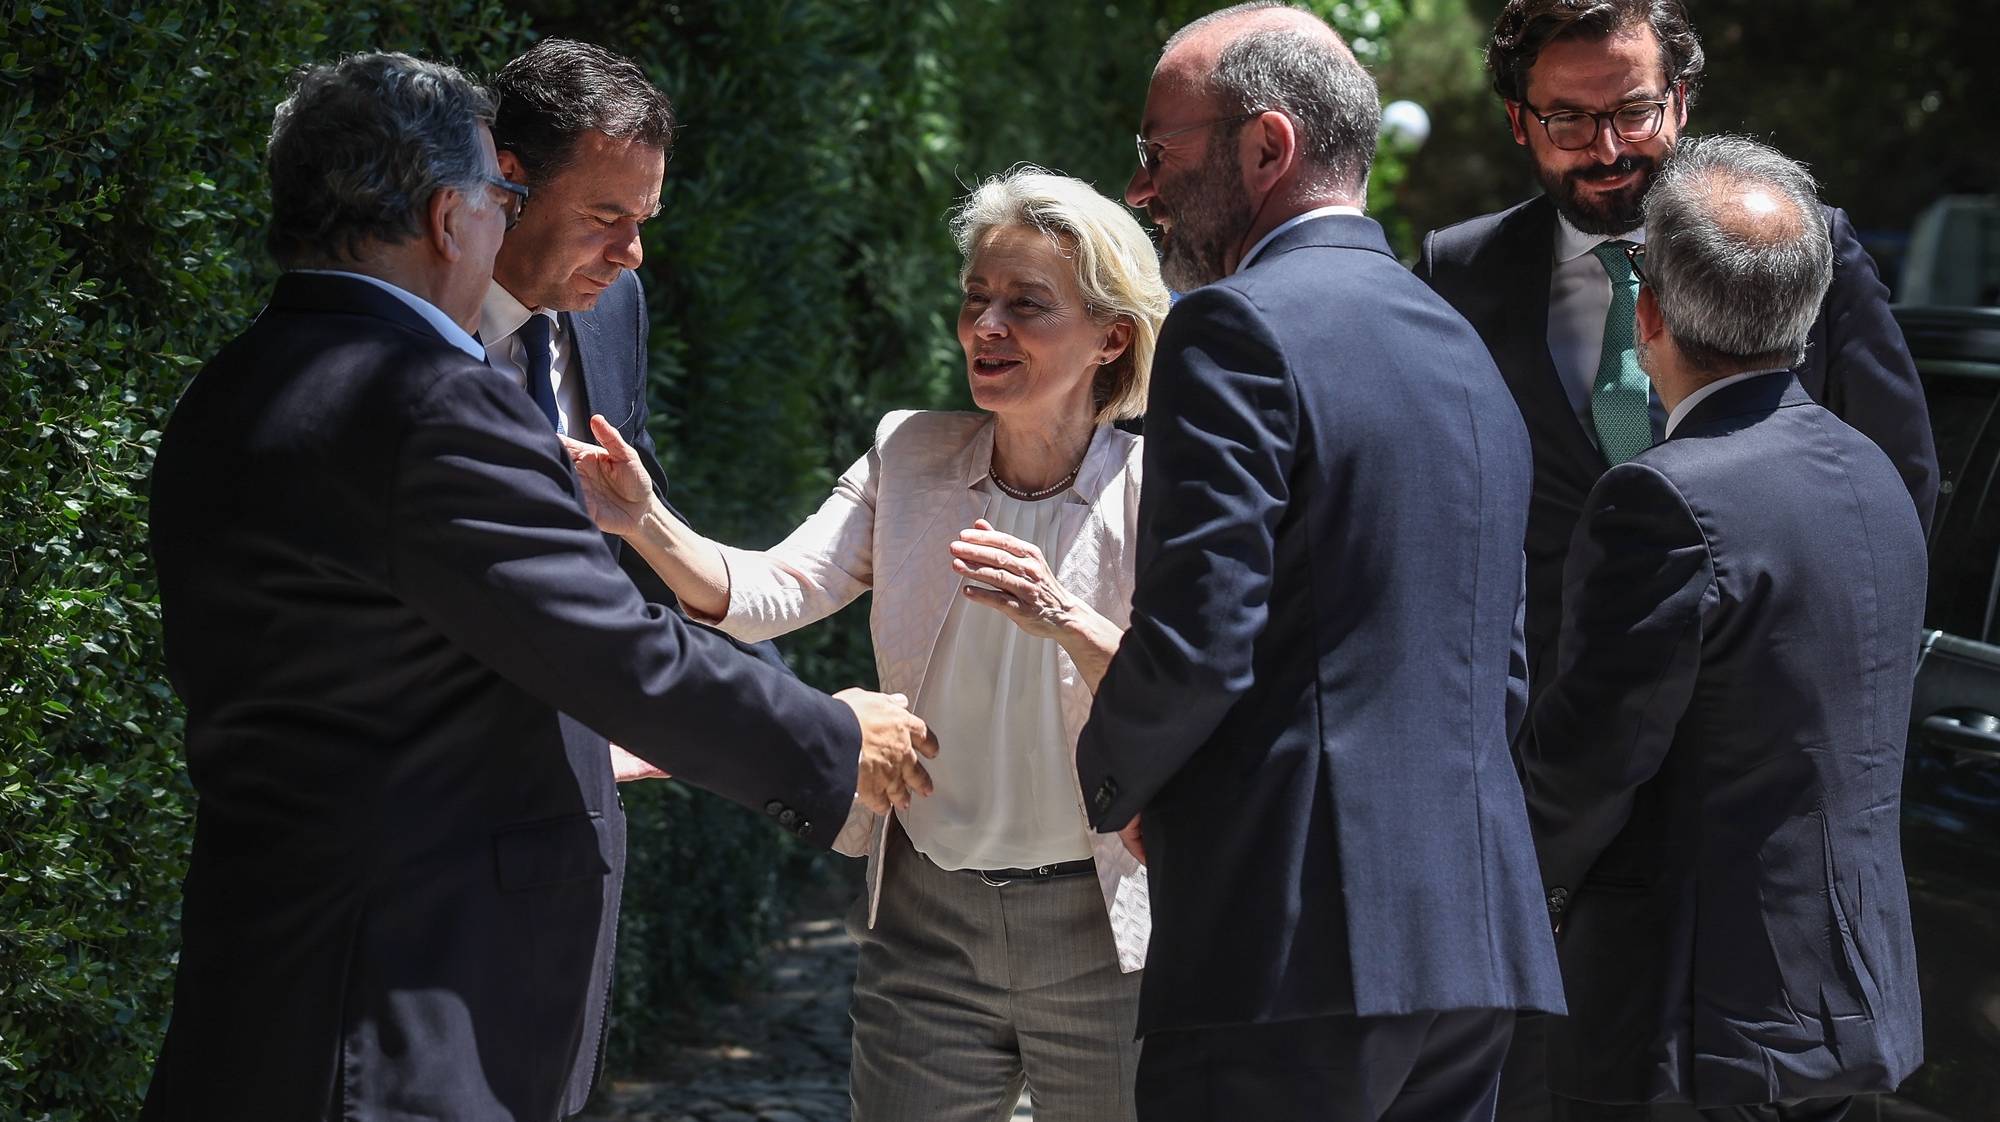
(1115,265)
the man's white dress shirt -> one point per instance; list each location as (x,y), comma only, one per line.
(500,317)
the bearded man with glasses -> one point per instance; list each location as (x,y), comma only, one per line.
(1598,92)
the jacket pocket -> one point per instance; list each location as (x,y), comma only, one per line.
(537,854)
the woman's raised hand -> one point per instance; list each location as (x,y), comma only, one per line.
(1023,588)
(616,489)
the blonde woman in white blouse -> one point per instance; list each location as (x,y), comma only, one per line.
(1000,939)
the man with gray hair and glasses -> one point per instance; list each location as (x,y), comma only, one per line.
(381,593)
(1714,771)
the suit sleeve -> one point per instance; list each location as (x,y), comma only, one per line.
(1637,581)
(1871,381)
(1221,429)
(1426,258)
(491,544)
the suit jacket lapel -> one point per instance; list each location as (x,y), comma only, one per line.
(946,507)
(1101,462)
(1521,337)
(608,383)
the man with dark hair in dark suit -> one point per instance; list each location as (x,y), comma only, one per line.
(1715,769)
(1597,92)
(565,315)
(381,595)
(1313,706)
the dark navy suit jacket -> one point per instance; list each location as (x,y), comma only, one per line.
(380,592)
(1495,270)
(1313,705)
(1715,770)
(609,343)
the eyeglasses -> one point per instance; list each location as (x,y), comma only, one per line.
(1149,146)
(517,197)
(1635,252)
(1634,122)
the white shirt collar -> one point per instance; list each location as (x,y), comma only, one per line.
(501,315)
(1308,216)
(1572,243)
(447,330)
(1704,393)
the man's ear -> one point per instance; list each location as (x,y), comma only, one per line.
(1514,114)
(1681,105)
(511,166)
(1273,143)
(1647,319)
(445,219)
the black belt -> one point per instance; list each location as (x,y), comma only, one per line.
(998,877)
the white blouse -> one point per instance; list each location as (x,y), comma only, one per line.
(1006,791)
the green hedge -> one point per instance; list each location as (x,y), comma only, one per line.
(802,284)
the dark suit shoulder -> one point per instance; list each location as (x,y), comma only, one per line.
(1461,244)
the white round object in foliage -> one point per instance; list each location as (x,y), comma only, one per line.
(1405,125)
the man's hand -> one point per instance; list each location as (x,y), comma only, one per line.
(891,739)
(625,767)
(616,489)
(1134,838)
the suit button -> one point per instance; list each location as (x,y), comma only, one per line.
(1107,793)
(774,808)
(787,816)
(1558,900)
(804,827)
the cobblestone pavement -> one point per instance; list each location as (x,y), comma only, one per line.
(777,1055)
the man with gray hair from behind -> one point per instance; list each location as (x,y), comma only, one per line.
(1715,770)
(380,593)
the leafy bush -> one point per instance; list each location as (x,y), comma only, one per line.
(802,284)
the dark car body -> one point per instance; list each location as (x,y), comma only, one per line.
(1951,786)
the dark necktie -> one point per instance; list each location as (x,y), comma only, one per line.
(534,337)
(1620,401)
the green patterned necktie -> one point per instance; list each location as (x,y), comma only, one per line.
(1620,405)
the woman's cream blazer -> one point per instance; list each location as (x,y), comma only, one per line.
(886,527)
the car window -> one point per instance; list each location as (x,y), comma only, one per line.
(1965,540)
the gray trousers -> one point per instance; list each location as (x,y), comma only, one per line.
(966,992)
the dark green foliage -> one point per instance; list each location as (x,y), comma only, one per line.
(802,284)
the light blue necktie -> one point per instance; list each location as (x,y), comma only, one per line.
(1620,405)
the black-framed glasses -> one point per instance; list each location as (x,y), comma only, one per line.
(517,197)
(1634,122)
(1635,252)
(1149,146)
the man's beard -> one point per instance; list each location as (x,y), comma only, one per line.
(1603,215)
(1209,214)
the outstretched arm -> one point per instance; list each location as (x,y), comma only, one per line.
(623,501)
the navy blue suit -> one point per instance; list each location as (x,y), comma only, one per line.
(1715,770)
(1313,705)
(1495,270)
(380,594)
(608,346)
